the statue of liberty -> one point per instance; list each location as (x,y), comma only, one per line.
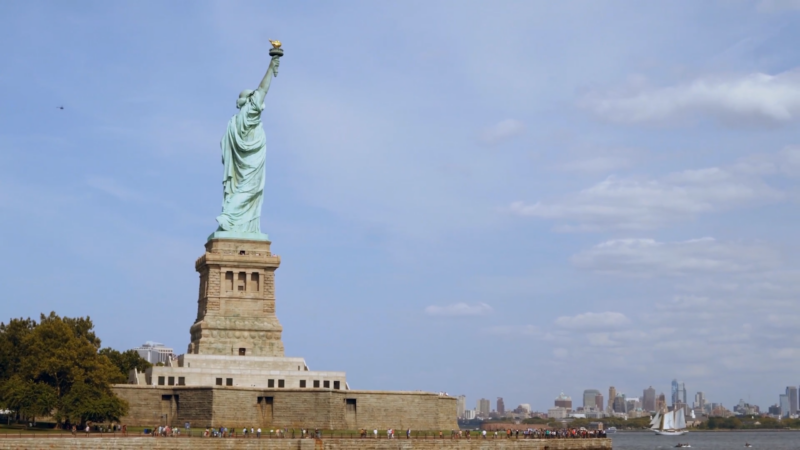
(243,156)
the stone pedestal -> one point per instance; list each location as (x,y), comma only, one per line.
(236,304)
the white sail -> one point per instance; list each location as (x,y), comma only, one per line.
(669,421)
(656,422)
(680,420)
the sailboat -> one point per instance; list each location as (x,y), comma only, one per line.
(672,423)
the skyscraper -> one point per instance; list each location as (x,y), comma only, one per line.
(678,392)
(661,403)
(612,394)
(461,406)
(483,407)
(649,399)
(791,392)
(674,396)
(501,406)
(598,400)
(620,404)
(590,399)
(784,404)
(699,400)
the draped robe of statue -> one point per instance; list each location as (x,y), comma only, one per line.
(244,151)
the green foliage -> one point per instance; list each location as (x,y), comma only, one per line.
(747,422)
(54,368)
(125,362)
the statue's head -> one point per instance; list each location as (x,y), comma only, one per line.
(243,98)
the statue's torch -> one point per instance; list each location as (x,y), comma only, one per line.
(276,52)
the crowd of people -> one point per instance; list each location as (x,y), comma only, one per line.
(530,433)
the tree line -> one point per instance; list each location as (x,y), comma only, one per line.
(56,368)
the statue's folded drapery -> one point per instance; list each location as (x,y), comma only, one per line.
(243,154)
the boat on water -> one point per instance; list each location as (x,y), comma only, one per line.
(672,423)
(611,430)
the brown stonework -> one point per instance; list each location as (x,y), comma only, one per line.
(286,408)
(236,304)
(131,443)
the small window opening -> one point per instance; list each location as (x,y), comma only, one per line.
(160,381)
(302,383)
(228,381)
(280,383)
(316,383)
(326,384)
(242,351)
(336,385)
(271,383)
(242,252)
(229,280)
(171,381)
(181,381)
(219,381)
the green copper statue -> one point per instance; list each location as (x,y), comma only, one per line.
(243,155)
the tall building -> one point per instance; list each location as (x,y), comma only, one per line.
(598,400)
(661,403)
(501,406)
(699,400)
(590,399)
(791,392)
(461,406)
(674,392)
(154,352)
(649,400)
(784,403)
(682,393)
(678,392)
(564,401)
(620,404)
(612,394)
(483,407)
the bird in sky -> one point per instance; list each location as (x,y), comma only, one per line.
(59,107)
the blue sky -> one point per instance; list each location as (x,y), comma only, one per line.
(493,199)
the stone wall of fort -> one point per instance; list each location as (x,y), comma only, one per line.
(131,443)
(286,408)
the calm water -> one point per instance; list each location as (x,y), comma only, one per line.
(761,440)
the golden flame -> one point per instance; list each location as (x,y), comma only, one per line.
(275,44)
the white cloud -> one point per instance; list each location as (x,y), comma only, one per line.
(597,164)
(635,204)
(459,309)
(502,131)
(754,99)
(648,257)
(593,321)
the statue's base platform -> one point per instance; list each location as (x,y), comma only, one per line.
(81,442)
(238,235)
(273,408)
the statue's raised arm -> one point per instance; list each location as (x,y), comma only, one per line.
(243,156)
(276,52)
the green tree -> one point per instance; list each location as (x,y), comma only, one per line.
(125,361)
(54,367)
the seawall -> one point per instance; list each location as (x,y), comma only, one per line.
(130,443)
